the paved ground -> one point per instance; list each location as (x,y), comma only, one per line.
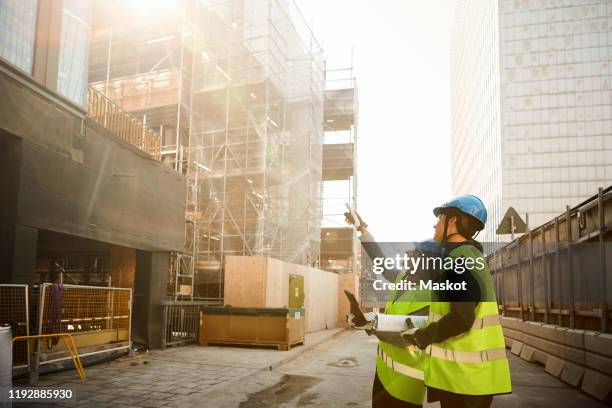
(335,373)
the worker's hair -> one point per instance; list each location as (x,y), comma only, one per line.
(467,225)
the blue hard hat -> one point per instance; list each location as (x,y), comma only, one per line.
(467,204)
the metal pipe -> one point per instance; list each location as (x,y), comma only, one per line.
(546,278)
(558,271)
(84,355)
(6,362)
(501,284)
(519,278)
(602,262)
(568,219)
(531,278)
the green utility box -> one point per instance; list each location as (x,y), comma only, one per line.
(296,291)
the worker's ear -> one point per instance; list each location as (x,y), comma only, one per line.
(453,221)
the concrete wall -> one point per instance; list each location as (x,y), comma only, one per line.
(71,176)
(79,179)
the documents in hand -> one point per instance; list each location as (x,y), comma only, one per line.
(399,323)
(384,322)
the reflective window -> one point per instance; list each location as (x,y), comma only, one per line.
(17,29)
(74,50)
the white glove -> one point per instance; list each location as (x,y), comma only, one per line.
(368,324)
(353,218)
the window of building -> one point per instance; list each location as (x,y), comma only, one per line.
(74,50)
(17,30)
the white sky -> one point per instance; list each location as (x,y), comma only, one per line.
(401,51)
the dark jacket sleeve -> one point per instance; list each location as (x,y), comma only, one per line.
(374,250)
(462,311)
(459,320)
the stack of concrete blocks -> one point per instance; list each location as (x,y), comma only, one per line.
(580,358)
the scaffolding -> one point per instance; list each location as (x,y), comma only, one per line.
(235,89)
(339,247)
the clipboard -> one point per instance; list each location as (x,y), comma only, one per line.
(359,318)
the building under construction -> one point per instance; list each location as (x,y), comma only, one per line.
(236,91)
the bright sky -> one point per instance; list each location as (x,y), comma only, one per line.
(401,52)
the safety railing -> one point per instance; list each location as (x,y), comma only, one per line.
(122,123)
(98,318)
(14,311)
(182,321)
(68,341)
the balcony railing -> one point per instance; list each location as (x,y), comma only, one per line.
(122,123)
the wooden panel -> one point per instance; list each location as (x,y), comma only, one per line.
(264,282)
(122,266)
(245,281)
(277,281)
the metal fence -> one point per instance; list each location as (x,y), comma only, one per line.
(561,272)
(182,321)
(97,317)
(122,123)
(14,311)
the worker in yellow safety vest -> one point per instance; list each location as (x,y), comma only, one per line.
(465,361)
(399,370)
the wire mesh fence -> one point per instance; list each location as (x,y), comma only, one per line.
(14,312)
(96,317)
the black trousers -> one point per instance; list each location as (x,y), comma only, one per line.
(451,400)
(382,399)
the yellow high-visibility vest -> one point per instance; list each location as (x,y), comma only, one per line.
(474,362)
(400,370)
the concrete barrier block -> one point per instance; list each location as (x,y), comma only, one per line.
(549,331)
(559,350)
(528,354)
(573,338)
(600,343)
(529,339)
(598,362)
(513,334)
(517,346)
(571,354)
(533,328)
(559,332)
(508,341)
(554,366)
(572,374)
(597,385)
(512,323)
(540,356)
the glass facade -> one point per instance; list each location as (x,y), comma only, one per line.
(556,103)
(475,136)
(74,50)
(532,105)
(17,32)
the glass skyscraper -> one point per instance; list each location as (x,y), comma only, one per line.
(531,100)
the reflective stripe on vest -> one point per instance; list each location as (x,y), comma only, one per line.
(466,356)
(479,323)
(399,367)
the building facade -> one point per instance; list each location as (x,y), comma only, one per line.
(84,202)
(532,111)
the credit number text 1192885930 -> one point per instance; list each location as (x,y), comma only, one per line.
(38,394)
